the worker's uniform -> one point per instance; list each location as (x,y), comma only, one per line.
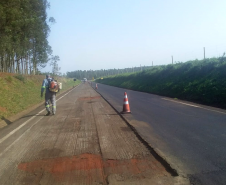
(49,96)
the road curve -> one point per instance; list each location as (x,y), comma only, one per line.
(191,137)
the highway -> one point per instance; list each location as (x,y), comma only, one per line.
(190,136)
(85,143)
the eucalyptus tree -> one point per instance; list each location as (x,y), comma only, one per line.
(54,64)
(23,35)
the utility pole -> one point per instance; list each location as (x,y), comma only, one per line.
(172,59)
(204,53)
(152,63)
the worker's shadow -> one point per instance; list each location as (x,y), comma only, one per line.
(6,120)
(27,116)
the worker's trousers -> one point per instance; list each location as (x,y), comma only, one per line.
(50,97)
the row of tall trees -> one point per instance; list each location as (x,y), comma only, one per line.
(89,74)
(23,35)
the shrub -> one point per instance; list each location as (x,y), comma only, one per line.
(20,77)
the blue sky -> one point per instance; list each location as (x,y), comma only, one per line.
(106,34)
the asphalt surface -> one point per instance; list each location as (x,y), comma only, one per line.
(190,136)
(85,143)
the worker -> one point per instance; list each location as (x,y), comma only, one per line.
(49,95)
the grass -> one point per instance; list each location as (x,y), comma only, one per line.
(19,92)
(201,81)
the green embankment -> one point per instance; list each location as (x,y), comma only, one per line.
(18,92)
(198,81)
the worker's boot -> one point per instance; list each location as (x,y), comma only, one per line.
(54,110)
(48,113)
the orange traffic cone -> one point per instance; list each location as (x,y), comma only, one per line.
(96,86)
(126,108)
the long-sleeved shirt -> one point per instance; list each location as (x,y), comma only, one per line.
(45,85)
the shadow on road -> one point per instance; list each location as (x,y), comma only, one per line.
(31,116)
(110,114)
(6,120)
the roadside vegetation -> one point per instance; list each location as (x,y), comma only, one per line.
(24,50)
(19,92)
(94,74)
(201,81)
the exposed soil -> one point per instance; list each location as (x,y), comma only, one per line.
(2,109)
(57,167)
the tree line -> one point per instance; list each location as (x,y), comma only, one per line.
(23,35)
(90,74)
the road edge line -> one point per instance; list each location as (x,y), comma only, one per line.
(19,115)
(23,124)
(8,147)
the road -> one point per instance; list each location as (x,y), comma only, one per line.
(85,143)
(191,137)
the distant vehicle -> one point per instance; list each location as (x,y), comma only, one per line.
(84,79)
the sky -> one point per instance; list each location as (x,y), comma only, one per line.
(107,34)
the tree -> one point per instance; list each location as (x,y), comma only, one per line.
(55,67)
(23,35)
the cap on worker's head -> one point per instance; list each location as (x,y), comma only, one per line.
(48,76)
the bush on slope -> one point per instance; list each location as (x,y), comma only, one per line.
(199,81)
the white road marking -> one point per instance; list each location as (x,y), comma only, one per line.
(19,137)
(12,132)
(180,102)
(194,106)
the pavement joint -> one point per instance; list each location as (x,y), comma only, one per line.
(154,151)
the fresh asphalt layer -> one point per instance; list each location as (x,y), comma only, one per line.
(190,136)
